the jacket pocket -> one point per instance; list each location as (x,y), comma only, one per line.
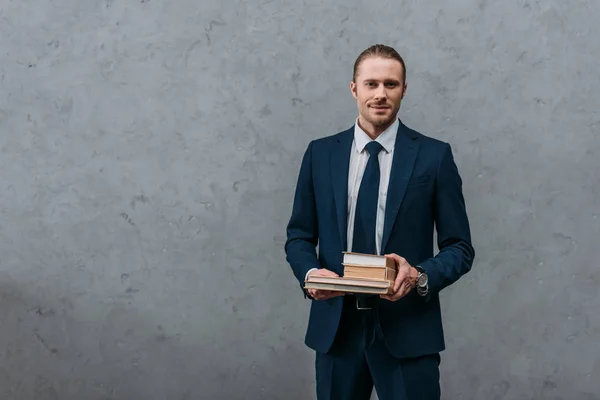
(419,180)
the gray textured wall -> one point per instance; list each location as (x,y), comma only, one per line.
(149,152)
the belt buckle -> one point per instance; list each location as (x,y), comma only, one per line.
(358,307)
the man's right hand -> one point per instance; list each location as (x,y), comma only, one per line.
(318,294)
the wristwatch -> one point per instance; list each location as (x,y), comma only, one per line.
(422,281)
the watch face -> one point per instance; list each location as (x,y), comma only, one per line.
(422,281)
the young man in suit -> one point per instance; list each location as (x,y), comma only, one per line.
(379,188)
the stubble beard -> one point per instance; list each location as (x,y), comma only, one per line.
(381,121)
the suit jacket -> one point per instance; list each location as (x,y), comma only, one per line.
(425,189)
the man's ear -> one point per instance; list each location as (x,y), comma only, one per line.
(353,89)
(404,90)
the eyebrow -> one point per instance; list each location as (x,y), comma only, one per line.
(385,81)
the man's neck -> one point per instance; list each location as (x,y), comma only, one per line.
(372,130)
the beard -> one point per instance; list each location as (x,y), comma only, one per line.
(381,120)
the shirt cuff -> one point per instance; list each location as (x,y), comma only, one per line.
(309,271)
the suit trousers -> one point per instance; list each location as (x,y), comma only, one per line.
(359,360)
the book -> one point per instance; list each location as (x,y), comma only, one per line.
(357,265)
(358,271)
(368,260)
(363,273)
(348,285)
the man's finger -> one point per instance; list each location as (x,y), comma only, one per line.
(405,288)
(397,295)
(399,280)
(323,272)
(389,297)
(330,295)
(324,294)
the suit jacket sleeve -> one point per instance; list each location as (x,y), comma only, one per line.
(302,229)
(456,253)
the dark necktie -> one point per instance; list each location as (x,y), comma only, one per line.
(366,205)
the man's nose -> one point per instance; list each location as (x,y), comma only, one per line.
(380,93)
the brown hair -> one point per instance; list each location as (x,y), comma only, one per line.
(378,50)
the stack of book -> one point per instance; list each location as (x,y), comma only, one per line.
(363,273)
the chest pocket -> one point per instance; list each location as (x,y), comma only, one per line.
(418,180)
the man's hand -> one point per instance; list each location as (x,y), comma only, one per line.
(406,278)
(323,294)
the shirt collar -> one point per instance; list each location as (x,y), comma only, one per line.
(386,139)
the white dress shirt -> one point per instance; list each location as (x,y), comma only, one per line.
(358,162)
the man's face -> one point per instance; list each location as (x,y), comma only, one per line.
(378,88)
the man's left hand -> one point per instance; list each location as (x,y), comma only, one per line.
(406,278)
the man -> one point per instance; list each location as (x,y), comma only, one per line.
(379,188)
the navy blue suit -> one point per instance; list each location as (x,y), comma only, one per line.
(425,190)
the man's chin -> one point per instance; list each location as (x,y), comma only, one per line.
(381,121)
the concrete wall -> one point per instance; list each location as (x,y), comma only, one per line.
(148,156)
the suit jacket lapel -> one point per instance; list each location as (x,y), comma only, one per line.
(406,149)
(340,164)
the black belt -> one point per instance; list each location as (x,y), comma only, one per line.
(365,301)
